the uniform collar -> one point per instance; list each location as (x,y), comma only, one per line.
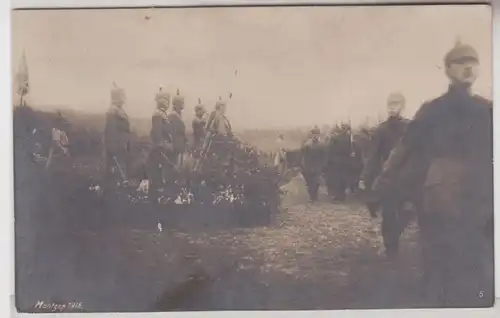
(459,91)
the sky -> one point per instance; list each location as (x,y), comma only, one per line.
(296,66)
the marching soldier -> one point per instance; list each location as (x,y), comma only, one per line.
(451,136)
(199,123)
(116,138)
(312,163)
(338,163)
(394,220)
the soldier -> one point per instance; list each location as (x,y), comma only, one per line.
(177,129)
(312,163)
(356,165)
(162,143)
(199,123)
(451,138)
(218,130)
(338,163)
(116,138)
(218,122)
(388,133)
(280,158)
(60,143)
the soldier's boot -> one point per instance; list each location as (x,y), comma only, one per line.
(373,208)
(314,191)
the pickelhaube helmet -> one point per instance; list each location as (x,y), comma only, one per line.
(220,103)
(315,130)
(178,100)
(200,106)
(162,97)
(459,52)
(118,96)
(345,126)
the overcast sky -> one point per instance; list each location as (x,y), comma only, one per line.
(296,65)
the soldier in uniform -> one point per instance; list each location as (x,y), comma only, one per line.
(280,158)
(177,130)
(312,163)
(217,121)
(198,124)
(452,137)
(338,163)
(219,132)
(388,133)
(116,139)
(162,143)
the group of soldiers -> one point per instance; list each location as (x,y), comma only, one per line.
(168,137)
(336,157)
(439,165)
(168,140)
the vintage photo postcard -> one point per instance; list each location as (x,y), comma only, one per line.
(253,158)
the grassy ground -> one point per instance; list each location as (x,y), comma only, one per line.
(313,256)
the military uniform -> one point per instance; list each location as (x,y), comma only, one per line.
(453,137)
(280,157)
(220,131)
(338,164)
(116,138)
(313,157)
(198,125)
(394,219)
(168,134)
(218,123)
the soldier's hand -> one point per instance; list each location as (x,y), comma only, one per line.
(362,185)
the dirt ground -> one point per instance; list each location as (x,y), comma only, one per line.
(312,256)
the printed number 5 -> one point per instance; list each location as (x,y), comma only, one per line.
(481,294)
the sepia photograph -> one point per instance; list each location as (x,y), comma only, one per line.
(253,158)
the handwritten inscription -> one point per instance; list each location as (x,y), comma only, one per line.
(58,307)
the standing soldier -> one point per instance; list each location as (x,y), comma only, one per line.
(387,135)
(338,163)
(116,138)
(177,130)
(198,124)
(313,156)
(60,143)
(218,122)
(453,133)
(162,143)
(280,159)
(218,130)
